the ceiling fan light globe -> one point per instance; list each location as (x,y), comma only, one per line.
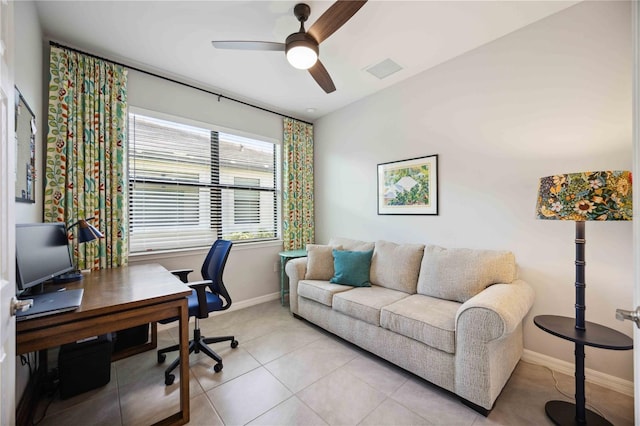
(302,57)
(301,50)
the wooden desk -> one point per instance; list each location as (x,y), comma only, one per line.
(115,299)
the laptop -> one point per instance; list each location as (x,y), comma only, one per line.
(52,303)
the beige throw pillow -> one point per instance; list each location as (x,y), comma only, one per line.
(320,262)
(459,274)
(351,245)
(396,266)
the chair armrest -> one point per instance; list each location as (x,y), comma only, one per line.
(296,270)
(201,287)
(196,285)
(182,274)
(494,312)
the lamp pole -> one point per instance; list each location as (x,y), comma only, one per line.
(581,400)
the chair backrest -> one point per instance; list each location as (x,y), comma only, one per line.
(213,268)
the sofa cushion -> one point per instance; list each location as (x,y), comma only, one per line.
(351,267)
(320,291)
(320,262)
(459,274)
(349,244)
(396,266)
(365,303)
(426,319)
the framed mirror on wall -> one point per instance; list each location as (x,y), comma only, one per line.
(25,151)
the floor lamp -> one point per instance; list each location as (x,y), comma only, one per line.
(580,197)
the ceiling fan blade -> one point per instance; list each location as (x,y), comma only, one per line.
(322,77)
(248,45)
(334,17)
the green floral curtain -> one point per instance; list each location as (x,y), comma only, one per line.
(298,226)
(85,165)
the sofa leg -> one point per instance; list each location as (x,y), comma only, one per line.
(475,407)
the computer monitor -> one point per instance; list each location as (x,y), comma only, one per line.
(42,253)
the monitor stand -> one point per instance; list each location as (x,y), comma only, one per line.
(68,277)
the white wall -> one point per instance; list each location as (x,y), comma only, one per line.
(554,97)
(249,273)
(29,80)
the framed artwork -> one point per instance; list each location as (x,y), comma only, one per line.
(408,186)
(25,151)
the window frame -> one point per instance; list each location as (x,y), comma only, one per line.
(216,186)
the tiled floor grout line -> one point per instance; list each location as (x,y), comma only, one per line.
(115,369)
(366,384)
(295,395)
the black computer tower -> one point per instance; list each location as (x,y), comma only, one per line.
(84,365)
(131,337)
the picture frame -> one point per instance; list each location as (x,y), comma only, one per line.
(408,187)
(25,134)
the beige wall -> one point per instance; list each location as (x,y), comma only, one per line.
(553,97)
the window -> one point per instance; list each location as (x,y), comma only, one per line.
(246,203)
(191,185)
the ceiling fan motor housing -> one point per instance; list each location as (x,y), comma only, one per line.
(301,39)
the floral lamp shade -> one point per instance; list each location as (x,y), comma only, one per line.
(604,195)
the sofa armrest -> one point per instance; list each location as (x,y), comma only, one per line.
(489,340)
(296,270)
(495,312)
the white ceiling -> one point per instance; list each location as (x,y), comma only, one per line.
(173,38)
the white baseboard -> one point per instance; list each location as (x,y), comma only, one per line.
(255,301)
(249,302)
(592,376)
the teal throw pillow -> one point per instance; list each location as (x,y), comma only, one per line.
(351,267)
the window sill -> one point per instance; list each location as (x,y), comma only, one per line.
(164,254)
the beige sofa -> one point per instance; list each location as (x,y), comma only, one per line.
(451,316)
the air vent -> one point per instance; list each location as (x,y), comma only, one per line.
(384,69)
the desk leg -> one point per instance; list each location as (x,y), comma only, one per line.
(182,417)
(184,361)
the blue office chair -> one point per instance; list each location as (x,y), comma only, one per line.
(201,302)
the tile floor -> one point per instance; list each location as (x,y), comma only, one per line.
(288,372)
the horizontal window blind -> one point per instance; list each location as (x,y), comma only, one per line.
(189,186)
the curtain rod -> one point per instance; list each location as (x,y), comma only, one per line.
(219,95)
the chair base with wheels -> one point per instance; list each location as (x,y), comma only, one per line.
(208,295)
(197,345)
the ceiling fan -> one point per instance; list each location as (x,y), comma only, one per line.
(301,48)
